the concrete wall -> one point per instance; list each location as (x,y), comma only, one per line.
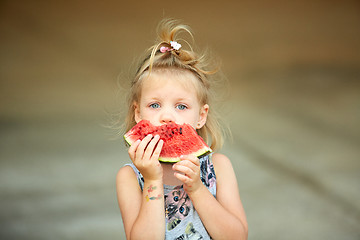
(292,103)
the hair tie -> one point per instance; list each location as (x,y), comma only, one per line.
(174,46)
(165,49)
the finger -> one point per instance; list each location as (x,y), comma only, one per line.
(150,147)
(132,149)
(141,148)
(185,170)
(157,150)
(191,158)
(189,161)
(183,178)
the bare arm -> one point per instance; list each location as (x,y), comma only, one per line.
(142,211)
(223,216)
(143,218)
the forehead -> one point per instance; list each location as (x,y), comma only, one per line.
(163,76)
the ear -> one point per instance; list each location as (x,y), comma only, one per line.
(137,112)
(203,116)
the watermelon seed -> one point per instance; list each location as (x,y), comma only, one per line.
(180,130)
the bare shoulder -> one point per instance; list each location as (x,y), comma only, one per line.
(127,186)
(226,181)
(129,196)
(126,179)
(227,187)
(224,171)
(125,173)
(222,163)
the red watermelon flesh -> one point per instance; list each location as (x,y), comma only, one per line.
(178,139)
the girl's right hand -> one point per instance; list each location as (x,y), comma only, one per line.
(145,156)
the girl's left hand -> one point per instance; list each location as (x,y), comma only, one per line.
(188,172)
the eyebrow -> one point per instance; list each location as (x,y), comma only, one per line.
(159,99)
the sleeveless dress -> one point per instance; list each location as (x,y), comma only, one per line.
(182,220)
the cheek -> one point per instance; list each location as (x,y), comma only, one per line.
(188,118)
(194,119)
(144,114)
(193,124)
(151,115)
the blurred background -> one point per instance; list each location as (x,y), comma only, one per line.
(293,106)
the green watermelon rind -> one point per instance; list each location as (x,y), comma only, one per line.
(201,152)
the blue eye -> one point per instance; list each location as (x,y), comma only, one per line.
(176,198)
(154,105)
(182,209)
(181,107)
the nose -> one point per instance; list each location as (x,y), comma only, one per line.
(167,117)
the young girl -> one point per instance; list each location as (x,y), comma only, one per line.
(194,198)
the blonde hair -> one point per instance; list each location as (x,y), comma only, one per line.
(181,59)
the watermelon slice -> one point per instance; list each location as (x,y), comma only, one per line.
(178,139)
